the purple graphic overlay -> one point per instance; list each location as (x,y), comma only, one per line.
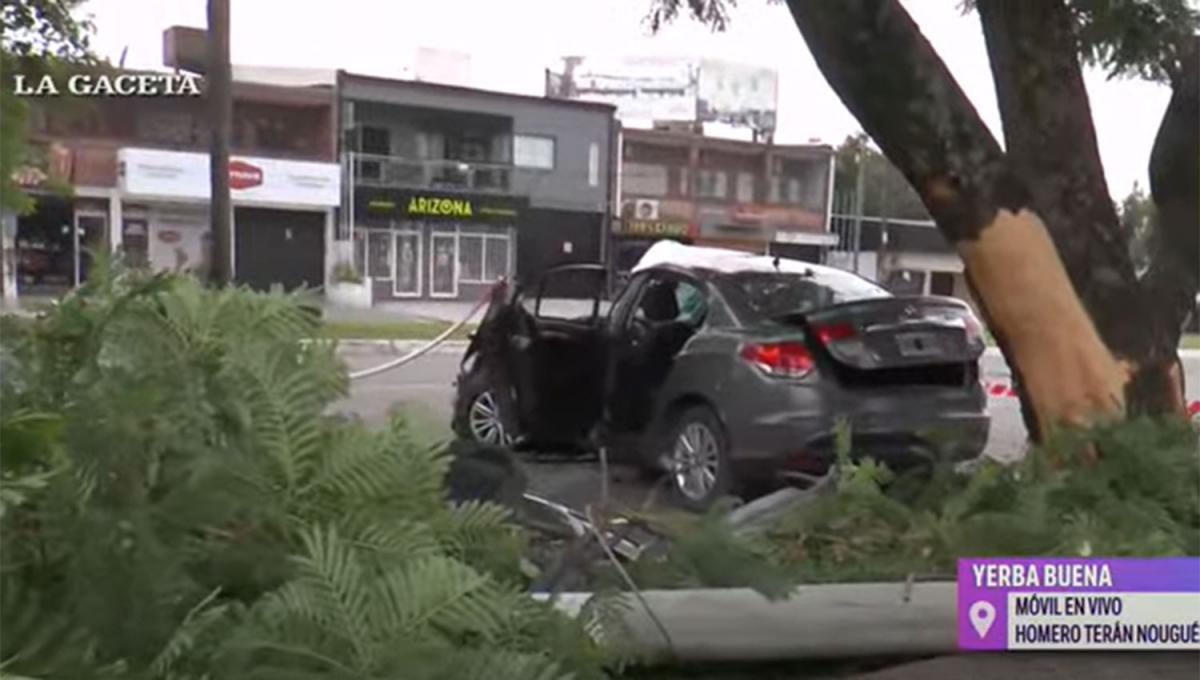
(984,585)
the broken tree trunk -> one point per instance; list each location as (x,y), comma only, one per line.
(1050,142)
(892,80)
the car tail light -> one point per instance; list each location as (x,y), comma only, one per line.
(780,359)
(833,332)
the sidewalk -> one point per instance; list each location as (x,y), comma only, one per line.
(1047,666)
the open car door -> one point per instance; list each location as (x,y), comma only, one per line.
(558,356)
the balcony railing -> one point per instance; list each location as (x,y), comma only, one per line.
(395,171)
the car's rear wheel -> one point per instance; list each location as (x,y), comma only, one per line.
(698,459)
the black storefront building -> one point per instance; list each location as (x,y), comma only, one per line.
(425,244)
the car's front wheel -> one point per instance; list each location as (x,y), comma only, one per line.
(481,416)
(698,459)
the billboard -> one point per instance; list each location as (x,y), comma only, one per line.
(672,89)
(646,88)
(737,94)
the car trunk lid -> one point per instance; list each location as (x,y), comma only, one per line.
(895,333)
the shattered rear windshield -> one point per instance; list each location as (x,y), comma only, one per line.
(772,295)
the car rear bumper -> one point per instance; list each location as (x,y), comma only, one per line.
(900,427)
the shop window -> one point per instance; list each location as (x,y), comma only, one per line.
(482,258)
(496,258)
(531,151)
(470,257)
(745,187)
(135,241)
(642,179)
(379,254)
(711,184)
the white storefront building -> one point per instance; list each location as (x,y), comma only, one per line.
(284,212)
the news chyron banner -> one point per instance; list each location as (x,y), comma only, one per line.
(1079,604)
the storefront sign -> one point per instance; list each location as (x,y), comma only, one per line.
(389,203)
(243,175)
(657,228)
(448,207)
(169,236)
(181,175)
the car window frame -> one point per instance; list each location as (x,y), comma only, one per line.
(539,287)
(649,276)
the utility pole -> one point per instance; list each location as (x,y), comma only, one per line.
(220,114)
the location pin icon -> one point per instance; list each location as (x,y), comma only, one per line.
(982,615)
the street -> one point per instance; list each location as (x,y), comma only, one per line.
(423,389)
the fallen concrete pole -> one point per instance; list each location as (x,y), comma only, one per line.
(819,621)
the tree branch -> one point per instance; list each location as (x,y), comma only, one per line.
(891,79)
(1174,275)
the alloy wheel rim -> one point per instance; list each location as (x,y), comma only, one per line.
(485,422)
(695,461)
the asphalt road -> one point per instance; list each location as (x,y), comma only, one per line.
(423,389)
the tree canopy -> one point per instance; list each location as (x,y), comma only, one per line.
(40,37)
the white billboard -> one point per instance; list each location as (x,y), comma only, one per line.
(737,94)
(642,88)
(672,89)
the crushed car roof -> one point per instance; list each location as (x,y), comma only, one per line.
(736,262)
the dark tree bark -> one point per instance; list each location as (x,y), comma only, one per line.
(1050,140)
(891,79)
(1174,276)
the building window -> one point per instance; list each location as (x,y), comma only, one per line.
(711,184)
(530,151)
(594,164)
(745,187)
(482,258)
(642,179)
(379,254)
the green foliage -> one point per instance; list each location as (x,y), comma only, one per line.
(178,504)
(1141,498)
(886,192)
(1139,220)
(345,271)
(40,37)
(1141,38)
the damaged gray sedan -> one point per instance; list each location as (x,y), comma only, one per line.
(726,371)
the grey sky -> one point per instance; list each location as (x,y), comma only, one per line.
(512,41)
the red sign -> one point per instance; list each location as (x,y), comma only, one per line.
(242,175)
(169,236)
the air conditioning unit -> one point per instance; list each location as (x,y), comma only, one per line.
(645,209)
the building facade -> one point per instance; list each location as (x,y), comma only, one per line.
(908,257)
(448,189)
(138,175)
(756,197)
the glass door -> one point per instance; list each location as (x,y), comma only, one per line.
(407,279)
(90,230)
(443,281)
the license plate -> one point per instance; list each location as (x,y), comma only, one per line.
(918,344)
